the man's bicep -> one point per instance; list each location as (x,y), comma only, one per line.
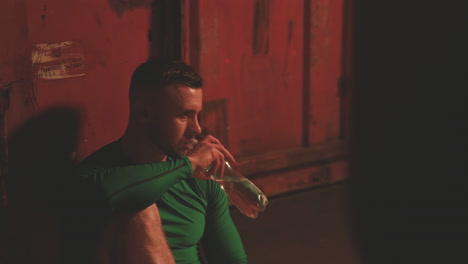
(221,241)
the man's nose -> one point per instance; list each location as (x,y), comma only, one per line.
(195,128)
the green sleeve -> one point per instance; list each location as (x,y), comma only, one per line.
(135,186)
(221,241)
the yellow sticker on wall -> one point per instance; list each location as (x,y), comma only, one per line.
(58,60)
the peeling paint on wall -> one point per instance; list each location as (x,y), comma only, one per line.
(58,60)
(120,6)
(261,27)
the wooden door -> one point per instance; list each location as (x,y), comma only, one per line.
(275,79)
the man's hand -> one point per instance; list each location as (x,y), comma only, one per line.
(208,152)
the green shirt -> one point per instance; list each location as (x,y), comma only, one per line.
(191,210)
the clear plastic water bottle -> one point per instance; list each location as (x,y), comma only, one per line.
(247,197)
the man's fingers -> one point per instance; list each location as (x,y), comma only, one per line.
(231,158)
(226,153)
(212,140)
(214,154)
(221,167)
(214,167)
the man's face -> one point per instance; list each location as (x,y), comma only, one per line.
(173,119)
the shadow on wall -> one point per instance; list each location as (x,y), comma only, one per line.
(39,163)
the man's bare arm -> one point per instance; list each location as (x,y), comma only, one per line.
(134,237)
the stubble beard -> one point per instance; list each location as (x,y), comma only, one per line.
(173,151)
(181,148)
(176,151)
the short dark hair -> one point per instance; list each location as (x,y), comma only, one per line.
(156,73)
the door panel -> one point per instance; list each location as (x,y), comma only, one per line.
(274,70)
(325,70)
(250,56)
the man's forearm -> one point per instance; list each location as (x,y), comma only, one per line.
(136,186)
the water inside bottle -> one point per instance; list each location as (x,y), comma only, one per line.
(244,195)
(241,192)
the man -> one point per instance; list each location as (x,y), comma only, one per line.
(152,177)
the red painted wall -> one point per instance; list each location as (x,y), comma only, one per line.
(277,69)
(325,69)
(253,54)
(114,37)
(272,70)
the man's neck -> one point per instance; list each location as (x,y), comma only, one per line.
(139,150)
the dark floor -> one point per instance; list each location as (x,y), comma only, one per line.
(308,227)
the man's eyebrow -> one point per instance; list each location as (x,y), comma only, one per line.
(190,111)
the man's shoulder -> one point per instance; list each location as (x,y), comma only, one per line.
(110,155)
(207,188)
